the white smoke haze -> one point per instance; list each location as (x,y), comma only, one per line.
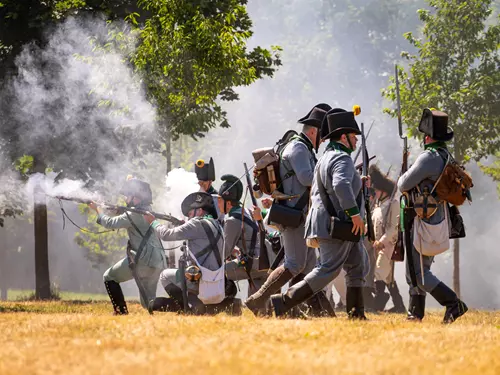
(266,109)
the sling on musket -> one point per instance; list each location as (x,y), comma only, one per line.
(366,195)
(366,138)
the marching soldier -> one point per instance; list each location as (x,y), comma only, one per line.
(336,183)
(385,216)
(241,231)
(205,244)
(144,251)
(205,172)
(422,176)
(296,168)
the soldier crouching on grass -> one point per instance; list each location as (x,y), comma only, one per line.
(144,251)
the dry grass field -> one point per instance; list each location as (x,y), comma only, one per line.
(84,338)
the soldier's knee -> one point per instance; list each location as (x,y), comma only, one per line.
(107,275)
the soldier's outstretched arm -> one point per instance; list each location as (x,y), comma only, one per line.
(300,160)
(187,231)
(114,222)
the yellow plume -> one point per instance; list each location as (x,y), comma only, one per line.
(356,109)
(129,177)
(200,163)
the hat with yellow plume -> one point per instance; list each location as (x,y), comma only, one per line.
(205,171)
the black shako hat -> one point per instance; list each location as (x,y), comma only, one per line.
(380,181)
(134,187)
(338,121)
(435,124)
(200,199)
(315,115)
(204,171)
(231,189)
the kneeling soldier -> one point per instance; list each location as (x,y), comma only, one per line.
(205,246)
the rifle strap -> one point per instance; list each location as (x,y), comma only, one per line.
(145,238)
(255,229)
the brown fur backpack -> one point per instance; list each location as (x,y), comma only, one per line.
(454,184)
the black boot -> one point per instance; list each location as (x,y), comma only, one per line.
(355,304)
(116,296)
(320,306)
(416,309)
(369,301)
(298,293)
(164,304)
(381,297)
(455,308)
(279,277)
(397,299)
(175,293)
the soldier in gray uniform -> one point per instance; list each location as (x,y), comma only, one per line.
(148,260)
(244,236)
(205,241)
(341,184)
(296,168)
(424,174)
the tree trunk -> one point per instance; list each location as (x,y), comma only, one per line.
(168,147)
(42,278)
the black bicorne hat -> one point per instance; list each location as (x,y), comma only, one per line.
(200,199)
(205,171)
(381,181)
(231,189)
(435,124)
(134,187)
(338,121)
(315,115)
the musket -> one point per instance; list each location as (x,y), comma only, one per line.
(366,138)
(404,236)
(247,259)
(360,165)
(122,209)
(263,258)
(182,271)
(366,194)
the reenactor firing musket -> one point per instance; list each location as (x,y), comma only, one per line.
(121,209)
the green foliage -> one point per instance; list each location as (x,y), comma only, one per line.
(24,165)
(457,70)
(193,54)
(493,170)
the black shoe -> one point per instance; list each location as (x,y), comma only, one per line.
(368,299)
(257,301)
(164,304)
(355,304)
(320,306)
(381,297)
(455,308)
(116,296)
(298,293)
(416,309)
(397,299)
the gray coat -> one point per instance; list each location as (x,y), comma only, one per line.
(299,159)
(152,254)
(424,173)
(197,240)
(342,184)
(233,235)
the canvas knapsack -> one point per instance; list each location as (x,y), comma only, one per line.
(267,162)
(454,184)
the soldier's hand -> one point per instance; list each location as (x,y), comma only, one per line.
(358,225)
(149,217)
(367,180)
(256,213)
(93,206)
(267,202)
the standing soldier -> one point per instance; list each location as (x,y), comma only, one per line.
(385,216)
(205,172)
(205,244)
(144,251)
(422,177)
(296,168)
(335,187)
